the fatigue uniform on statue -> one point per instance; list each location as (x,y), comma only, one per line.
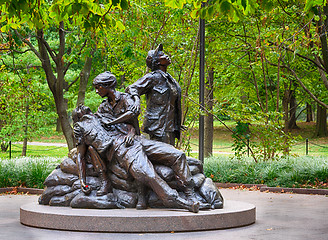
(109,141)
(116,109)
(163,93)
(112,144)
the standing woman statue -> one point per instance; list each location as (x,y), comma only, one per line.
(163,115)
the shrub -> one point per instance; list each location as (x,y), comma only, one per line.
(25,171)
(284,172)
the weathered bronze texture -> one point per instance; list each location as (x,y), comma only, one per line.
(117,167)
(163,93)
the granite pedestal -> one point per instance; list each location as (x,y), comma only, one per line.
(234,214)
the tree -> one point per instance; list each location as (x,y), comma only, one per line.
(25,105)
(73,24)
(321,126)
(208,120)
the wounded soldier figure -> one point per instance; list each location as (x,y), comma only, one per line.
(106,145)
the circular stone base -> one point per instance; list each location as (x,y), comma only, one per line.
(234,214)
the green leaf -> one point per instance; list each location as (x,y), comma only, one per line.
(5,28)
(120,25)
(194,13)
(312,3)
(225,7)
(244,4)
(202,13)
(108,21)
(115,2)
(175,3)
(124,4)
(113,22)
(210,11)
(316,18)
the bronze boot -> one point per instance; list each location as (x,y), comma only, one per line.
(191,196)
(142,202)
(105,184)
(189,205)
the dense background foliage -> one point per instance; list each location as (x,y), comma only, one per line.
(267,58)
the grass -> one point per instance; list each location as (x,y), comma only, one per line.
(222,142)
(36,151)
(25,171)
(285,172)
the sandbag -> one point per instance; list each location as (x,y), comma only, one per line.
(154,201)
(93,182)
(49,192)
(65,200)
(195,162)
(164,172)
(93,201)
(69,166)
(126,199)
(211,193)
(194,169)
(58,177)
(198,179)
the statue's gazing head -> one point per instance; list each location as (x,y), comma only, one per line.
(153,56)
(106,80)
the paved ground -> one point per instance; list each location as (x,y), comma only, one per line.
(279,216)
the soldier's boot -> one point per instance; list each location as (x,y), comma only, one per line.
(189,205)
(105,184)
(142,201)
(191,195)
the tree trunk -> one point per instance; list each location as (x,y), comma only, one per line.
(61,106)
(285,101)
(309,113)
(25,130)
(56,84)
(208,121)
(58,126)
(321,124)
(84,78)
(292,111)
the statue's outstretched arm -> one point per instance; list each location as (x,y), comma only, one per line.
(123,118)
(81,151)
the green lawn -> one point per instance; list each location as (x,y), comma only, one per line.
(222,144)
(35,151)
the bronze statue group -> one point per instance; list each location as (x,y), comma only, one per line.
(110,138)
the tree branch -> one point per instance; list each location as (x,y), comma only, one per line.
(79,54)
(16,51)
(28,43)
(49,50)
(322,73)
(299,55)
(303,86)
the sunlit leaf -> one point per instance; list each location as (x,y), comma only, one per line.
(120,25)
